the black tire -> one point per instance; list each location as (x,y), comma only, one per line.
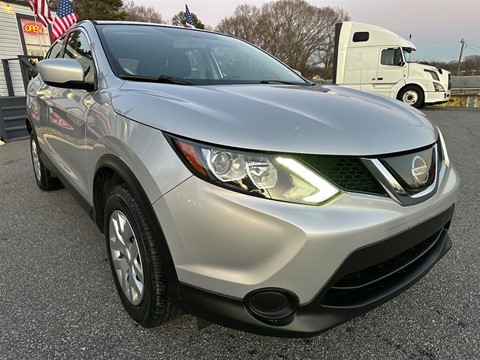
(141,258)
(43,177)
(412,95)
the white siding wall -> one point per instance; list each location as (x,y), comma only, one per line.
(11,44)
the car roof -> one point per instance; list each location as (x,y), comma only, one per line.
(122,22)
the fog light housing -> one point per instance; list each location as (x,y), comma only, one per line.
(272,306)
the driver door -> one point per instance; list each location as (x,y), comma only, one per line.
(66,114)
(391,70)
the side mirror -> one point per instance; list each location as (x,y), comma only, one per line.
(64,73)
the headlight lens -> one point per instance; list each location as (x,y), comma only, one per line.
(445,157)
(438,87)
(278,177)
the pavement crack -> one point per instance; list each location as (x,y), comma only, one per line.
(475,136)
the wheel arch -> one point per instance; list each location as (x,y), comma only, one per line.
(417,86)
(28,124)
(111,171)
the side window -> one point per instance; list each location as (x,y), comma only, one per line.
(361,36)
(78,48)
(55,51)
(391,57)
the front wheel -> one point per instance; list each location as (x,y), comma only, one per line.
(135,261)
(411,95)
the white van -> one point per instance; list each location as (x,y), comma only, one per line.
(375,59)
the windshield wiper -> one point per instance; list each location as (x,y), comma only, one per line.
(282,82)
(161,79)
(172,80)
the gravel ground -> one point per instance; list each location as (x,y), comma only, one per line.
(58,299)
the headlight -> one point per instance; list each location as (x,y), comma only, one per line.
(272,176)
(438,87)
(445,157)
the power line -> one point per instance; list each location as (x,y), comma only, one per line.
(436,42)
(474,47)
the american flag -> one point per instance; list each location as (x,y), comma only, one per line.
(65,18)
(41,10)
(188,19)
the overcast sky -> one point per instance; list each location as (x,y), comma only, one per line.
(436,26)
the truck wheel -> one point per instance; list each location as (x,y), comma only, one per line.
(43,177)
(411,95)
(134,256)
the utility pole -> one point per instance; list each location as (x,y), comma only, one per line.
(460,58)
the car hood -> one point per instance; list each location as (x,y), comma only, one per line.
(427,67)
(298,119)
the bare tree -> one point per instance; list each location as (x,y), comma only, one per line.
(322,59)
(290,30)
(468,67)
(294,31)
(244,23)
(141,13)
(471,65)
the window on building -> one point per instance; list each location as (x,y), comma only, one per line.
(35,36)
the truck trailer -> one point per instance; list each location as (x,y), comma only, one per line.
(375,59)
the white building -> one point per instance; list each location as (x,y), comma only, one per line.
(20,35)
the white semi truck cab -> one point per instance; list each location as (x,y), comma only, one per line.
(375,59)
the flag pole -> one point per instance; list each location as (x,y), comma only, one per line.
(38,34)
(41,11)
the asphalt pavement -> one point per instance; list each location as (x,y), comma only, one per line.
(58,300)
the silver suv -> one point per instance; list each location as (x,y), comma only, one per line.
(230,187)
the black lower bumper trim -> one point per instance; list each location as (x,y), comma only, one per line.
(316,317)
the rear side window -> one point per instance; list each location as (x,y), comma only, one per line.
(360,36)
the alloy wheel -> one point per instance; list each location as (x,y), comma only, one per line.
(126,257)
(36,161)
(410,97)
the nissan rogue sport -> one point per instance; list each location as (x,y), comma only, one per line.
(230,187)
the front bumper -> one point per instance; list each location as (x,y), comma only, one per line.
(432,97)
(368,277)
(227,245)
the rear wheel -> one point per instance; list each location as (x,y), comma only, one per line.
(135,260)
(411,95)
(43,177)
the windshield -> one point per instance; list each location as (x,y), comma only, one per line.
(408,54)
(197,57)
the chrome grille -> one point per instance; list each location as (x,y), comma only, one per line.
(409,178)
(415,171)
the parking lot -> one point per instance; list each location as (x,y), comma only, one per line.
(58,299)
